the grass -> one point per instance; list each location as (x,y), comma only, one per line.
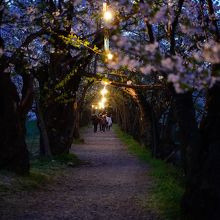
(42,171)
(68,159)
(79,141)
(11,183)
(32,138)
(168,181)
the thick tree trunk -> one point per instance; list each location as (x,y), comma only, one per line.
(57,104)
(59,120)
(167,141)
(145,123)
(192,152)
(14,155)
(149,133)
(189,133)
(134,121)
(204,194)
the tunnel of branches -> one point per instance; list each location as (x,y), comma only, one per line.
(55,73)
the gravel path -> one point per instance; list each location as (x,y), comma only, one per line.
(112,185)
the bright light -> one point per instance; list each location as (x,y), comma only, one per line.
(107,16)
(109,56)
(103,100)
(104,91)
(105,83)
(101,105)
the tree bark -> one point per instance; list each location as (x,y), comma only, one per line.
(59,119)
(202,197)
(44,140)
(146,123)
(14,154)
(58,114)
(75,132)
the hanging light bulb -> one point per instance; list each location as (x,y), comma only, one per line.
(101,105)
(105,83)
(107,14)
(109,56)
(103,100)
(104,91)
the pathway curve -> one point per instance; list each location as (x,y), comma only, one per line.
(112,185)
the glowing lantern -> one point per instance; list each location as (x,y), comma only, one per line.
(107,14)
(104,91)
(109,56)
(103,100)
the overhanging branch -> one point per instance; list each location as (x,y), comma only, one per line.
(138,86)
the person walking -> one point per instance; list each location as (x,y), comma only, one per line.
(109,122)
(100,121)
(103,122)
(95,121)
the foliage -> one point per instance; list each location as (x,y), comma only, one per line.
(76,41)
(168,181)
(160,44)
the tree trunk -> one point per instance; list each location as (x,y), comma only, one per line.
(148,125)
(44,140)
(78,108)
(167,141)
(189,133)
(191,147)
(75,133)
(59,120)
(14,154)
(58,114)
(204,194)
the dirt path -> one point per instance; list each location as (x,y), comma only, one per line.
(111,186)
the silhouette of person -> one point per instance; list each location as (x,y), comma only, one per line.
(95,121)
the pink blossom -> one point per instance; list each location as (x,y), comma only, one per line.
(151,47)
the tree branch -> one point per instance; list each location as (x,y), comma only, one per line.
(135,86)
(174,27)
(214,20)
